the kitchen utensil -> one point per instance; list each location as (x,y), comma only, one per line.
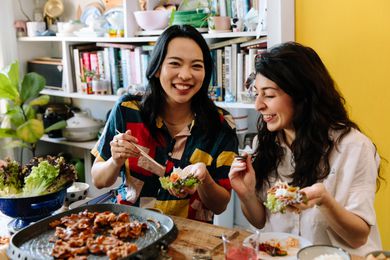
(32,242)
(52,10)
(25,210)
(81,127)
(147,156)
(208,239)
(101,199)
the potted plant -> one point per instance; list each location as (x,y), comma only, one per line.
(95,84)
(21,122)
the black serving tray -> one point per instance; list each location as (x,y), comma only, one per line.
(32,242)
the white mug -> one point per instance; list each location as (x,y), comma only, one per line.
(35,28)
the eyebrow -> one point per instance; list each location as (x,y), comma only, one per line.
(266,88)
(177,58)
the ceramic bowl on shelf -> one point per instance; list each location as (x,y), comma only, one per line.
(152,19)
(78,191)
(81,128)
(322,252)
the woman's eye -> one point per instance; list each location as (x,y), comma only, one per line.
(197,66)
(174,63)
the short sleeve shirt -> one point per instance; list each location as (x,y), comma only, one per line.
(351,181)
(187,147)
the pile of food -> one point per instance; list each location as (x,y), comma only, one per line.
(275,247)
(98,233)
(178,180)
(281,195)
(40,176)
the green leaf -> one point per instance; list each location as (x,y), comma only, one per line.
(13,73)
(32,84)
(29,111)
(56,126)
(15,114)
(31,131)
(16,143)
(40,101)
(7,89)
(7,132)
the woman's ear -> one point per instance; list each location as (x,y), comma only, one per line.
(157,74)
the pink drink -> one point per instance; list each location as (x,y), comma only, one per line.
(236,252)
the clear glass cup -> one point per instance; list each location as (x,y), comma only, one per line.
(236,250)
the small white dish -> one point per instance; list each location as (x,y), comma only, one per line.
(78,191)
(326,251)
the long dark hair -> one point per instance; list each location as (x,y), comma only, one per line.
(318,108)
(206,112)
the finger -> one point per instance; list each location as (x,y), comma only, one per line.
(249,163)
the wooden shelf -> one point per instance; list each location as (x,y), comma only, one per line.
(60,93)
(84,145)
(143,36)
(112,98)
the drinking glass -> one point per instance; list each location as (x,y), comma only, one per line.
(236,250)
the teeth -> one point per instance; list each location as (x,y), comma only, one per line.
(182,87)
(267,116)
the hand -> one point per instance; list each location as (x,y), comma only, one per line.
(183,192)
(122,147)
(199,171)
(242,177)
(315,196)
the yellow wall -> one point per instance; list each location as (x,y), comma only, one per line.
(353,39)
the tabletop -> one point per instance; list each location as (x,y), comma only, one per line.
(176,251)
(192,236)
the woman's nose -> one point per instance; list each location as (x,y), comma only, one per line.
(185,73)
(259,104)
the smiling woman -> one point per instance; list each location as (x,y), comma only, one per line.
(178,126)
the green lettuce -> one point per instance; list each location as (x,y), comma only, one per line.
(274,204)
(40,178)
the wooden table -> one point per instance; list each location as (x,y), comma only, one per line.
(178,251)
(192,234)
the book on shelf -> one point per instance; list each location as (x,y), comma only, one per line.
(229,42)
(77,66)
(116,45)
(260,43)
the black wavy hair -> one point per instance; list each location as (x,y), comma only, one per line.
(318,108)
(207,116)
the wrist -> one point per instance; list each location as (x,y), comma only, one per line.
(115,164)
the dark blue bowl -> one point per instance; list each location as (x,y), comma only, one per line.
(30,209)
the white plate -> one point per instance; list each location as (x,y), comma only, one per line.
(292,252)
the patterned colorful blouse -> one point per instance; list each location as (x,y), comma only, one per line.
(190,146)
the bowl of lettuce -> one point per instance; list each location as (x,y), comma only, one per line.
(33,191)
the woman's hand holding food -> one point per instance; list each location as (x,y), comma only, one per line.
(315,195)
(242,176)
(122,147)
(192,173)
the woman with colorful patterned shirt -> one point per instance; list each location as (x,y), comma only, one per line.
(177,125)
